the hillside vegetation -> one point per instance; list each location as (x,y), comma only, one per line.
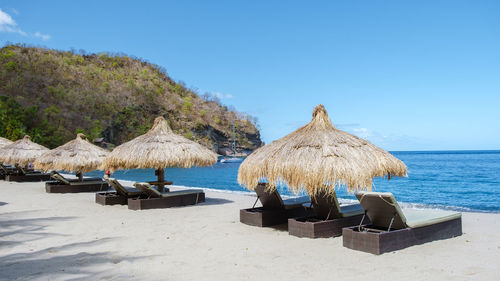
(51,95)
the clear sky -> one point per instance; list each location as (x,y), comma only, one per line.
(423,75)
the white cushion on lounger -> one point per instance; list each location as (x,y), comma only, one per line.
(296,201)
(150,190)
(351,210)
(382,207)
(419,218)
(181,192)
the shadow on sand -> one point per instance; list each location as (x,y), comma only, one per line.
(216,201)
(66,261)
(17,231)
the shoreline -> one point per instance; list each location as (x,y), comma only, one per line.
(403,204)
(64,236)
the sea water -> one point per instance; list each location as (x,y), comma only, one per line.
(456,180)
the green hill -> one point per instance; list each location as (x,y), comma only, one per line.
(51,95)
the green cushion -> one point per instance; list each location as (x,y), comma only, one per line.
(419,218)
(153,192)
(327,206)
(181,192)
(121,190)
(86,182)
(382,206)
(351,210)
(58,177)
(295,202)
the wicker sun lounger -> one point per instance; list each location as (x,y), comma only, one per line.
(151,198)
(393,229)
(7,170)
(274,209)
(61,184)
(22,175)
(328,220)
(120,196)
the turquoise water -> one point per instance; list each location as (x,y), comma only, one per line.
(458,180)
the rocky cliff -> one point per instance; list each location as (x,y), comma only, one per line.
(56,94)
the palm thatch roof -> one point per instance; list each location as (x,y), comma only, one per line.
(22,152)
(159,148)
(319,157)
(4,142)
(78,155)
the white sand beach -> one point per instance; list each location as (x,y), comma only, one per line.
(70,237)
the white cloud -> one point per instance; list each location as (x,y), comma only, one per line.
(222,96)
(390,141)
(6,19)
(44,37)
(7,24)
(373,136)
(363,133)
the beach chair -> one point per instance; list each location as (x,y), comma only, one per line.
(60,178)
(7,170)
(26,175)
(274,209)
(393,229)
(60,184)
(23,171)
(151,198)
(119,196)
(329,218)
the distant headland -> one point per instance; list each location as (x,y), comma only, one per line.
(52,95)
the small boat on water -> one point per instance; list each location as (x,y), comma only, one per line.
(231,160)
(232,157)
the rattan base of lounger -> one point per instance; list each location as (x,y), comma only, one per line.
(382,242)
(165,202)
(110,198)
(55,187)
(28,177)
(312,227)
(268,217)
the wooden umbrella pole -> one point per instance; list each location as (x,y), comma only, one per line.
(161,179)
(80,176)
(19,168)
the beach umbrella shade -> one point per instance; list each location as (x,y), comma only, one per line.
(22,152)
(159,148)
(78,155)
(319,158)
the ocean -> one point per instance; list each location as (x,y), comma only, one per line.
(454,180)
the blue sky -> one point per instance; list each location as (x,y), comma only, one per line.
(407,76)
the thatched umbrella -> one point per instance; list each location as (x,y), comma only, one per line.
(78,155)
(4,142)
(319,158)
(22,152)
(159,148)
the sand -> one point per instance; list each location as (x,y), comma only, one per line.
(69,237)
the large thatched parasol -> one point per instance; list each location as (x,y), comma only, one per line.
(319,158)
(22,152)
(4,142)
(159,148)
(78,155)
